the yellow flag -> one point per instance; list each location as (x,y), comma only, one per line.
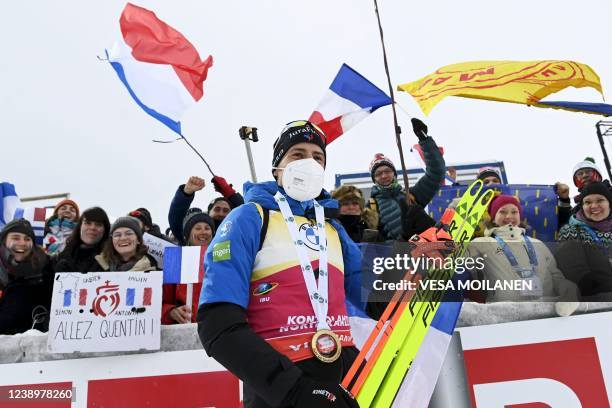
(504,81)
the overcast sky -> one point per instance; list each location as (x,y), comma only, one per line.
(69,125)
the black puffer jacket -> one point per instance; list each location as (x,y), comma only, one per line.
(26,293)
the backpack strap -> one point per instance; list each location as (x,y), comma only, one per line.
(264,213)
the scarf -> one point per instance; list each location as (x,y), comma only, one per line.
(601,226)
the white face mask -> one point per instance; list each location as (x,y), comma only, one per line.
(303,179)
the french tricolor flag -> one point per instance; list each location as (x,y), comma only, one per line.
(420,381)
(11,209)
(159,67)
(349,99)
(184,264)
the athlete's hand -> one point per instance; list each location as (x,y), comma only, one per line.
(312,394)
(193,184)
(181,314)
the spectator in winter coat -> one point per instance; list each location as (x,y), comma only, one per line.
(86,241)
(184,197)
(585,172)
(509,255)
(585,255)
(60,226)
(354,216)
(198,229)
(124,250)
(26,280)
(387,192)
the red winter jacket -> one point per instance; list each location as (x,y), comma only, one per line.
(174,295)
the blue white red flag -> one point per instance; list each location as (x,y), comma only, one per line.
(421,379)
(12,209)
(9,203)
(349,99)
(184,264)
(160,68)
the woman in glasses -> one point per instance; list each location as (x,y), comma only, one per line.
(125,251)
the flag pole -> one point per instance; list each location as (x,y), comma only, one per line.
(608,125)
(198,153)
(398,130)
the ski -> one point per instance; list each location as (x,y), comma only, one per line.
(394,327)
(427,302)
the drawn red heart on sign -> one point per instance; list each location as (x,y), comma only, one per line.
(107,300)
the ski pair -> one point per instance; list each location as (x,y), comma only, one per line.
(380,368)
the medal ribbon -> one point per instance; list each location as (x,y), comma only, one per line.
(533,258)
(318,294)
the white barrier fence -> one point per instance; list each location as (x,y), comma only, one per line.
(476,373)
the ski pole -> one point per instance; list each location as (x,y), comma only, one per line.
(247,134)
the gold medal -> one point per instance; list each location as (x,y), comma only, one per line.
(326,346)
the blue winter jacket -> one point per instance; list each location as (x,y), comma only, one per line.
(238,240)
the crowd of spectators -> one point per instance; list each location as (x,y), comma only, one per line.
(577,267)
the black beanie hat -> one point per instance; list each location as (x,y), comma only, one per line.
(192,218)
(485,172)
(20,225)
(597,188)
(299,131)
(143,215)
(127,222)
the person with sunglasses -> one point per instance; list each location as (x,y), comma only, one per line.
(272,308)
(124,250)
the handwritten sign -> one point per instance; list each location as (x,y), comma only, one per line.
(105,311)
(156,247)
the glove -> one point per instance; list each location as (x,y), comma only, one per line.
(308,393)
(222,187)
(419,129)
(414,219)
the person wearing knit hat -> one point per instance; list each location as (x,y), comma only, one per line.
(60,226)
(259,269)
(507,253)
(198,228)
(585,250)
(386,170)
(26,280)
(87,241)
(296,132)
(125,250)
(144,217)
(505,209)
(146,223)
(586,172)
(387,193)
(67,209)
(489,175)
